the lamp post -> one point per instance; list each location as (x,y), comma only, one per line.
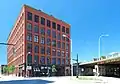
(77,66)
(100,43)
(71,52)
(26,61)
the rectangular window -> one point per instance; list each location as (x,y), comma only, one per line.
(48,60)
(29,26)
(53,52)
(67,46)
(36,49)
(29,59)
(42,21)
(63,29)
(67,61)
(36,38)
(29,47)
(67,57)
(48,23)
(36,59)
(67,39)
(58,27)
(63,45)
(53,60)
(42,50)
(29,37)
(59,61)
(53,34)
(58,36)
(67,30)
(42,40)
(54,43)
(42,31)
(63,61)
(63,53)
(63,38)
(48,41)
(42,60)
(48,32)
(36,29)
(48,51)
(36,18)
(29,16)
(58,44)
(53,25)
(58,53)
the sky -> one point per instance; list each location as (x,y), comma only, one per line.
(88,19)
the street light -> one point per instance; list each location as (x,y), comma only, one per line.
(26,61)
(77,66)
(71,52)
(99,43)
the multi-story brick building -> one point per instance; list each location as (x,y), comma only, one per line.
(39,43)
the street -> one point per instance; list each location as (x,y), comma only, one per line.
(54,80)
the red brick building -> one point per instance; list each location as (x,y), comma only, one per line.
(39,44)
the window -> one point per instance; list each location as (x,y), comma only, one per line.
(29,16)
(42,40)
(63,61)
(63,54)
(48,23)
(53,60)
(67,46)
(63,45)
(48,41)
(48,50)
(67,57)
(63,29)
(36,38)
(29,37)
(29,26)
(58,27)
(59,61)
(63,38)
(58,53)
(49,32)
(54,34)
(42,50)
(67,30)
(54,43)
(42,31)
(36,49)
(67,61)
(42,21)
(48,60)
(53,52)
(29,59)
(36,59)
(58,36)
(42,60)
(58,44)
(36,29)
(67,39)
(53,25)
(36,18)
(29,47)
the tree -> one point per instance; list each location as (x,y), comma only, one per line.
(11,69)
(5,69)
(103,57)
(54,70)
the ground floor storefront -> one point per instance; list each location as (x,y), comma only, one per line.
(34,70)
